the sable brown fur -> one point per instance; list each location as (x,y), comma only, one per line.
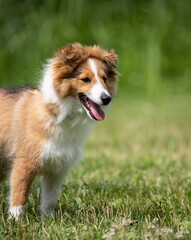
(21,136)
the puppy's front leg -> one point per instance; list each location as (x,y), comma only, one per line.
(22,175)
(50,188)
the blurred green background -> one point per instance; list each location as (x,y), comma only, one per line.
(152,39)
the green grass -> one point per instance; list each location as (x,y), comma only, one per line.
(134,182)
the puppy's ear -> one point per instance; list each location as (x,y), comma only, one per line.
(73,54)
(110,58)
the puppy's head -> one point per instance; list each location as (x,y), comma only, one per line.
(87,74)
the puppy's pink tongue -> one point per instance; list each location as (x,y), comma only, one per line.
(96,111)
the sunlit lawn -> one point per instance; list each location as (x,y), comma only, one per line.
(134,183)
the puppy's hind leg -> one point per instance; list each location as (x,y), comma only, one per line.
(22,175)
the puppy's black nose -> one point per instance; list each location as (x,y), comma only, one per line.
(106,99)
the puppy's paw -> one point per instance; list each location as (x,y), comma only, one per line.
(16,211)
(47,213)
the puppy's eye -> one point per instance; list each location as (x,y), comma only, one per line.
(104,79)
(86,80)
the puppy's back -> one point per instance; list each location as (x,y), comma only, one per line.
(8,101)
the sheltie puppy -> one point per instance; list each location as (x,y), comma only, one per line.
(42,130)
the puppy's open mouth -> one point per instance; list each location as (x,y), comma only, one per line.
(94,109)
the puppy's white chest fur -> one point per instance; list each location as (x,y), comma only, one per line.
(65,146)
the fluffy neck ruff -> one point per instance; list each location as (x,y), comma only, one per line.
(69,107)
(46,87)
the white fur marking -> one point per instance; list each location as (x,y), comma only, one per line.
(16,212)
(94,69)
(64,148)
(46,87)
(97,89)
